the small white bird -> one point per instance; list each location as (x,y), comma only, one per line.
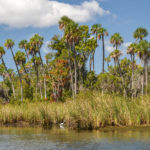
(61,125)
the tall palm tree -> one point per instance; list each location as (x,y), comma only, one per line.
(140,33)
(2,52)
(64,24)
(37,61)
(102,33)
(32,52)
(116,39)
(95,30)
(143,51)
(9,43)
(37,42)
(131,50)
(72,37)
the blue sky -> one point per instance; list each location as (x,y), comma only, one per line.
(20,19)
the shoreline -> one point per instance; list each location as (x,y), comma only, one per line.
(23,124)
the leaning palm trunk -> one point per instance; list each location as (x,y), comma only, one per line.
(19,75)
(13,89)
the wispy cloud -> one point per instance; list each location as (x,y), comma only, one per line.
(45,13)
(45,48)
(109,48)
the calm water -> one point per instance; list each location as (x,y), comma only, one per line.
(62,139)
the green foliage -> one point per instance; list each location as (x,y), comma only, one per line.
(91,80)
(116,39)
(65,74)
(140,33)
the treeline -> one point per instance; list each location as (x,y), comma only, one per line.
(64,74)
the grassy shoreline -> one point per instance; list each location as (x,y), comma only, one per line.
(90,110)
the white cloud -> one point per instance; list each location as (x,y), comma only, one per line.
(109,48)
(45,48)
(45,13)
(123,47)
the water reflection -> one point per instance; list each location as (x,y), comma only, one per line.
(56,139)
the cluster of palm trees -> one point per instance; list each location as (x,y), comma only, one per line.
(72,51)
(140,47)
(32,50)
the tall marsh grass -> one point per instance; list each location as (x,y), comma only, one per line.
(90,110)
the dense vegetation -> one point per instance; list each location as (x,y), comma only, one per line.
(89,110)
(64,74)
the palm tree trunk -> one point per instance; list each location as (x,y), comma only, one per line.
(13,89)
(93,61)
(24,69)
(146,75)
(72,86)
(132,85)
(19,75)
(39,84)
(103,64)
(142,82)
(35,68)
(45,93)
(90,62)
(45,89)
(27,55)
(75,70)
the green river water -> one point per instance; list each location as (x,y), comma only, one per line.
(63,139)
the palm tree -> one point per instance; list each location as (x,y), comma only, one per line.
(140,33)
(37,61)
(116,39)
(2,71)
(2,52)
(102,33)
(37,42)
(95,30)
(143,52)
(20,59)
(65,24)
(32,52)
(24,45)
(131,50)
(115,55)
(9,43)
(72,37)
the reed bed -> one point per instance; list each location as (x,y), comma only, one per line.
(89,110)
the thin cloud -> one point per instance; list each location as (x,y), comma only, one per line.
(45,13)
(45,48)
(109,48)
